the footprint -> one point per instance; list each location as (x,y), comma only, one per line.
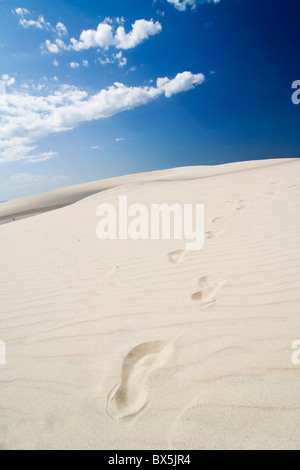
(176,256)
(129,399)
(218,219)
(211,235)
(209,287)
(242,208)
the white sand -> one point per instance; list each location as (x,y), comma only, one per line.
(137,344)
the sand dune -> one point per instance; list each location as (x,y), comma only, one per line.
(144,345)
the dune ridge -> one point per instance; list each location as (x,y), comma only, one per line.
(39,203)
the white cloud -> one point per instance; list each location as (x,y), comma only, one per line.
(61,29)
(53,48)
(74,65)
(182,5)
(21,11)
(95,147)
(30,179)
(120,139)
(102,37)
(117,58)
(105,36)
(8,81)
(27,178)
(42,157)
(105,60)
(183,82)
(85,63)
(141,30)
(40,23)
(25,119)
(55,63)
(121,60)
(38,87)
(2,90)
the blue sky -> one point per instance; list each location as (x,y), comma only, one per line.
(96,89)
